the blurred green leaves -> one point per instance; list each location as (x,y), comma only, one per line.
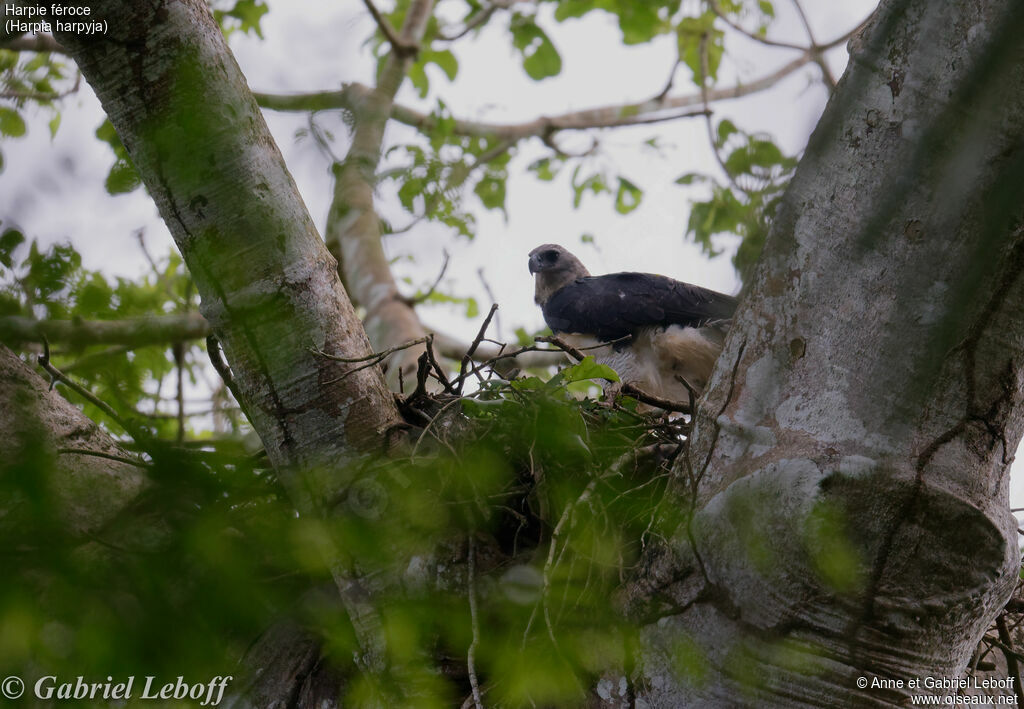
(240,15)
(540,58)
(757,172)
(50,283)
(28,78)
(122,177)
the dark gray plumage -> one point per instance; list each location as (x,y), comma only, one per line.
(656,329)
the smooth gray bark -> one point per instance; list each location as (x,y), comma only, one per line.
(851,460)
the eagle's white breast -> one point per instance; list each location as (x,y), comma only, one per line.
(656,357)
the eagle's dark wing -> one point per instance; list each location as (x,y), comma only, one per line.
(616,305)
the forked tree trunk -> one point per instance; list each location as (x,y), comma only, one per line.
(851,460)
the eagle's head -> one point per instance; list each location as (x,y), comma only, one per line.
(555,268)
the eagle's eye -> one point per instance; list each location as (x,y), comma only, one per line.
(550,256)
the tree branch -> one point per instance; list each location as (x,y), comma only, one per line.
(353,227)
(399,45)
(353,97)
(132,332)
(478,19)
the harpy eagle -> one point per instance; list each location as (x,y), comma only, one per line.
(654,329)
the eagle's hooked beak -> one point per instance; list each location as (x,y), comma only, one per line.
(535,265)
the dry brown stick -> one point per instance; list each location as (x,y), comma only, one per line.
(377,356)
(439,375)
(468,357)
(56,375)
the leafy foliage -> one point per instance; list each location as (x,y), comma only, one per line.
(122,177)
(540,58)
(757,174)
(240,16)
(138,383)
(36,79)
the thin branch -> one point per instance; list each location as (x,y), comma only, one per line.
(439,372)
(354,96)
(819,58)
(523,357)
(401,48)
(42,95)
(132,332)
(652,400)
(707,115)
(179,364)
(565,346)
(471,24)
(549,140)
(468,357)
(715,8)
(375,356)
(101,454)
(372,359)
(416,300)
(58,376)
(479,18)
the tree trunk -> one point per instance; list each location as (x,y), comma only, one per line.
(353,227)
(850,463)
(269,287)
(79,473)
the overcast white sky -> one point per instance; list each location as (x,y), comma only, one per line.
(53,190)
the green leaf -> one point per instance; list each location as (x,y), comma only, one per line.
(696,36)
(248,13)
(491,191)
(123,178)
(588,369)
(54,124)
(540,58)
(639,21)
(628,196)
(546,169)
(419,79)
(726,128)
(690,178)
(93,296)
(9,241)
(445,60)
(595,184)
(11,122)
